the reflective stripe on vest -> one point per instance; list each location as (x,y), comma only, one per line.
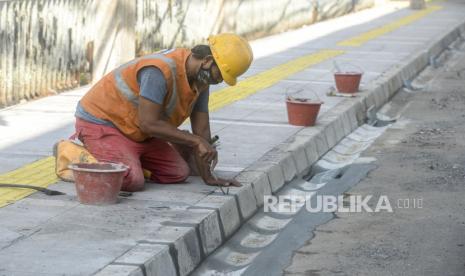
(131,96)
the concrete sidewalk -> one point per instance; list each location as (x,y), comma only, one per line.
(170,229)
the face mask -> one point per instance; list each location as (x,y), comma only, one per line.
(205,76)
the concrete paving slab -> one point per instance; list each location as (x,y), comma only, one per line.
(268,106)
(19,272)
(238,150)
(34,212)
(57,249)
(185,194)
(350,64)
(326,76)
(7,237)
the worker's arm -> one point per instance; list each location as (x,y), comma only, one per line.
(200,123)
(153,123)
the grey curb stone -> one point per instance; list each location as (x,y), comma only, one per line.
(120,270)
(300,160)
(385,94)
(276,177)
(369,101)
(352,115)
(311,151)
(439,45)
(289,167)
(188,252)
(273,171)
(346,124)
(185,243)
(338,124)
(297,145)
(246,199)
(360,111)
(347,114)
(418,63)
(462,30)
(284,159)
(155,258)
(316,140)
(311,131)
(210,233)
(379,97)
(206,221)
(227,209)
(330,135)
(322,146)
(259,182)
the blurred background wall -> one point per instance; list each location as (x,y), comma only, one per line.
(48,46)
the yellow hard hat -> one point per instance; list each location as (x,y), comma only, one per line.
(232,54)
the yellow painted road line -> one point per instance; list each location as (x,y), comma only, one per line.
(363,38)
(40,173)
(267,78)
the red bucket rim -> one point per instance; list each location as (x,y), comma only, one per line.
(311,102)
(348,73)
(100,167)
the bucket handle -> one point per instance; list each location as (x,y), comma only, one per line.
(290,95)
(337,68)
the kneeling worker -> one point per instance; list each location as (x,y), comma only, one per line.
(132,114)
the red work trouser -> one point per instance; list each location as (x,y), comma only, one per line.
(108,144)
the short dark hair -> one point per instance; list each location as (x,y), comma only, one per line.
(201,51)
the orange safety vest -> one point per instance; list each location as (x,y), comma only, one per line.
(115,97)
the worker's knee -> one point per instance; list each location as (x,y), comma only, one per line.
(133,181)
(182,173)
(177,174)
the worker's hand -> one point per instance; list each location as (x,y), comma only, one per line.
(205,151)
(222,182)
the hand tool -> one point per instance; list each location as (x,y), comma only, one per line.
(37,188)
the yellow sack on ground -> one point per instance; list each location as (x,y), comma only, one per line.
(67,152)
